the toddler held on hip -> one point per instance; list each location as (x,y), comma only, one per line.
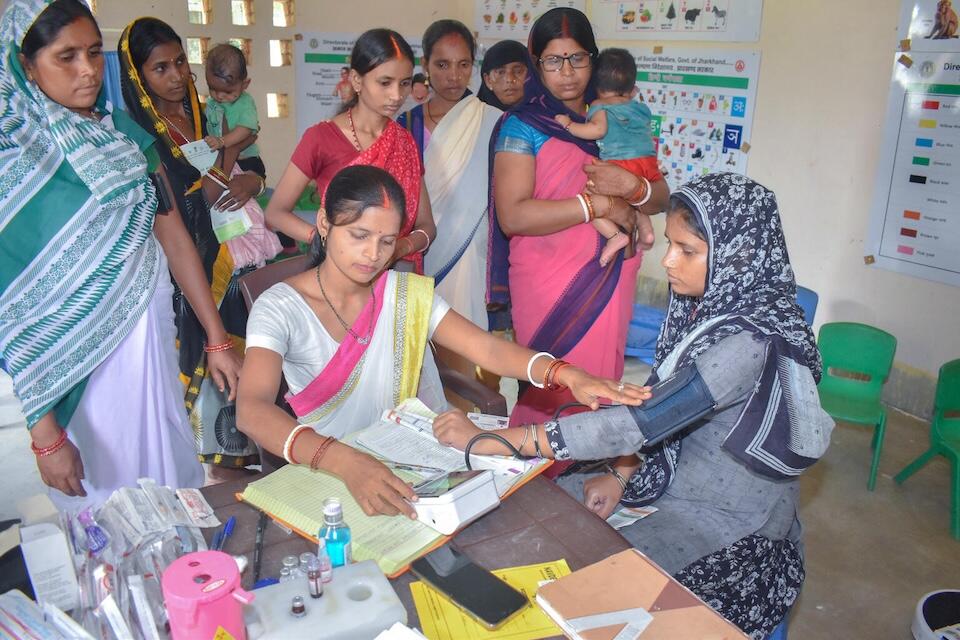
(621,127)
(229,104)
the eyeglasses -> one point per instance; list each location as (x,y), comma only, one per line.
(555,63)
(514,72)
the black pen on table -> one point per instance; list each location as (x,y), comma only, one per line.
(258,546)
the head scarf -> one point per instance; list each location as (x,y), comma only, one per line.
(749,273)
(500,55)
(749,287)
(185,177)
(76,214)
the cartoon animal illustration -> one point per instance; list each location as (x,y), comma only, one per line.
(691,15)
(719,16)
(945,22)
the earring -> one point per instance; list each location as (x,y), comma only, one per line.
(323,241)
(193,77)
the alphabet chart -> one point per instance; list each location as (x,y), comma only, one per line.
(702,105)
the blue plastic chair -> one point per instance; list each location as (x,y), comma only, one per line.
(780,633)
(807,299)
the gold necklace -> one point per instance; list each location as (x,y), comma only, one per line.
(174,125)
(360,339)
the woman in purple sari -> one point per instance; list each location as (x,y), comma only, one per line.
(544,258)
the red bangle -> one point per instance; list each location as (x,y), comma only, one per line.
(555,377)
(319,453)
(590,212)
(294,442)
(640,192)
(216,348)
(56,446)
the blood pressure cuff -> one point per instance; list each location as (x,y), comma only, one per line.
(676,403)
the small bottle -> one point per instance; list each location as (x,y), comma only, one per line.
(292,565)
(326,567)
(336,532)
(297,608)
(305,559)
(285,575)
(314,581)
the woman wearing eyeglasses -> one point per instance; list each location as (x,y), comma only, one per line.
(548,185)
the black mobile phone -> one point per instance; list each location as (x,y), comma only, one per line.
(480,594)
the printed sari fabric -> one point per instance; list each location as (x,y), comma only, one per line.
(218,264)
(361,381)
(782,430)
(324,150)
(80,264)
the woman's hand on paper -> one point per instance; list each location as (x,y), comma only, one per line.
(601,494)
(224,368)
(588,389)
(454,429)
(375,488)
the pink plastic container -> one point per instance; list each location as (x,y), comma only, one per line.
(202,592)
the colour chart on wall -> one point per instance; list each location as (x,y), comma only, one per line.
(728,20)
(512,19)
(322,62)
(915,219)
(702,104)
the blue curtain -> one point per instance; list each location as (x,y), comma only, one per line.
(111,79)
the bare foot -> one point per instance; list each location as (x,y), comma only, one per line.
(614,244)
(217,475)
(645,235)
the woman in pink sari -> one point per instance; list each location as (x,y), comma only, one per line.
(544,257)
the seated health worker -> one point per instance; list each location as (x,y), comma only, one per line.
(351,340)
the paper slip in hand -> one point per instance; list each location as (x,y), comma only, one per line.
(628,515)
(488,422)
(199,154)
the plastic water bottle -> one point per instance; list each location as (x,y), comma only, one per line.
(336,533)
(326,567)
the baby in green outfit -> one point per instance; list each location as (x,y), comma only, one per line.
(226,71)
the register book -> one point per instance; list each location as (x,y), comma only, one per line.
(294,494)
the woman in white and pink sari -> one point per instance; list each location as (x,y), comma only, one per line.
(351,341)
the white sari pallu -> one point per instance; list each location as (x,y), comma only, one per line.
(456,163)
(360,381)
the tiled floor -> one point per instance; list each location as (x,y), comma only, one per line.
(870,555)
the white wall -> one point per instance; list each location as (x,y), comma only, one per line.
(279,136)
(825,70)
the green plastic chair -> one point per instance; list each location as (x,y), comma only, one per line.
(856,362)
(944,436)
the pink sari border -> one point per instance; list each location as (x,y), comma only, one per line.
(335,375)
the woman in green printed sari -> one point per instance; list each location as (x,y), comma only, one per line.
(86,324)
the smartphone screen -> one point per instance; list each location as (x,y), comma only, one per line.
(439,486)
(482,595)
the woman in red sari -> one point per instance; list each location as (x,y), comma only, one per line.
(363,133)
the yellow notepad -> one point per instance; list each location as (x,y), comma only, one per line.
(294,494)
(442,620)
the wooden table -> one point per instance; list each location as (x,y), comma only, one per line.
(538,523)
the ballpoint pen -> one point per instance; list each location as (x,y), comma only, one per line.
(227,532)
(404,466)
(258,546)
